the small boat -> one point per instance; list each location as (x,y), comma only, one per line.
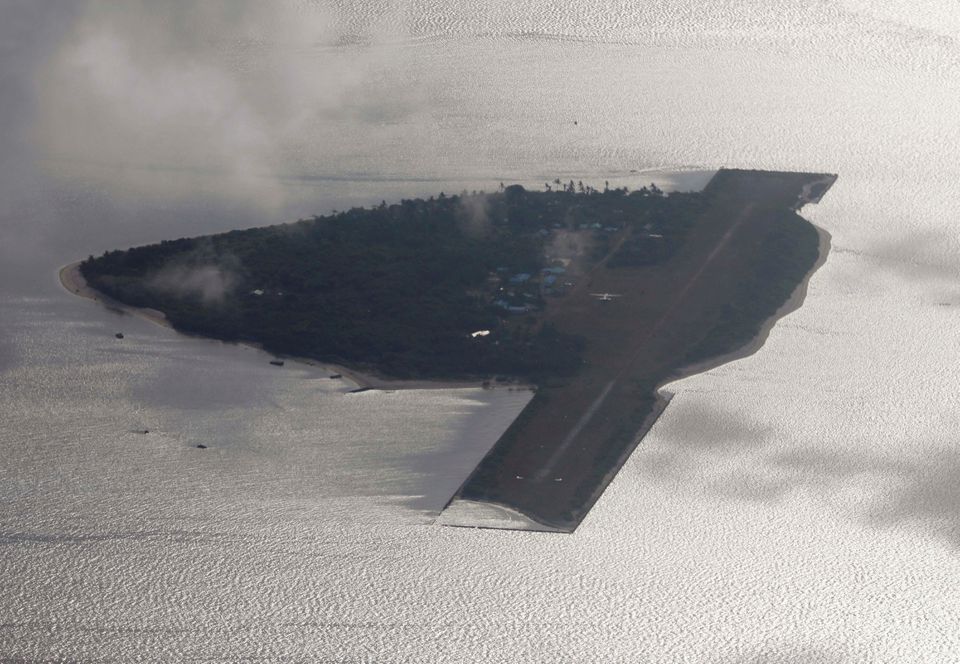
(276,363)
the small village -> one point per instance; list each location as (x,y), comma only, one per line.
(568,255)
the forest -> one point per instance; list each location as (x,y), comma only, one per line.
(398,288)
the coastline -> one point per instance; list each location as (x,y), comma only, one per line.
(534,506)
(72,280)
(792,304)
(663,398)
(756,343)
(501,514)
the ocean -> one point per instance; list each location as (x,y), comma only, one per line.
(798,505)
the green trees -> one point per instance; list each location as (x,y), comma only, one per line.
(397,287)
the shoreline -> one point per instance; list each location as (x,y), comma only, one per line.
(662,395)
(795,301)
(752,346)
(72,280)
(501,515)
(663,398)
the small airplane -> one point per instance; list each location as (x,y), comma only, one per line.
(605,297)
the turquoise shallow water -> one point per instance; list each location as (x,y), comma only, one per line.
(798,505)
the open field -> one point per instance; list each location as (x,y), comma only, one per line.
(745,256)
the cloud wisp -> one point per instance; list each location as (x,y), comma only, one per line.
(223,97)
(210,283)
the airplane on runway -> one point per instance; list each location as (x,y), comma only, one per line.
(606,297)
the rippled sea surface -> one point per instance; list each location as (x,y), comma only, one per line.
(800,505)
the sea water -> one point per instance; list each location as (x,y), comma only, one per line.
(799,505)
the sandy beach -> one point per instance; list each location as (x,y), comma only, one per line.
(73,281)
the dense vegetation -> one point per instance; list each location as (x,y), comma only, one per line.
(399,288)
(664,230)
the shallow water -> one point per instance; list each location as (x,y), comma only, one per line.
(797,505)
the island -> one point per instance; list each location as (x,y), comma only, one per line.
(593,297)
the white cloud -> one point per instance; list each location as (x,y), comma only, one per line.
(232,95)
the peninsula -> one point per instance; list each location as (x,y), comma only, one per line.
(596,297)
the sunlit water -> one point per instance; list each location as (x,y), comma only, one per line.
(800,505)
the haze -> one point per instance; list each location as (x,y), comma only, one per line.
(800,505)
